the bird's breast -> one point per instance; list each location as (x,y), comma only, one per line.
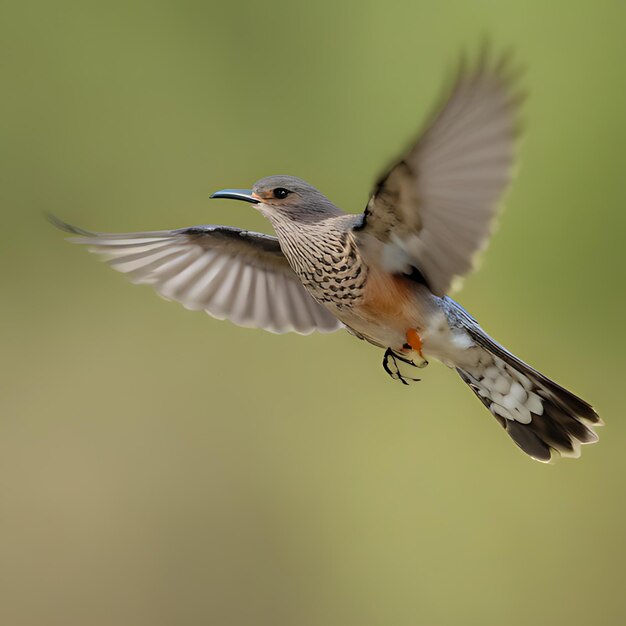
(390,298)
(328,264)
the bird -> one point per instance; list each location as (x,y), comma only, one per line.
(384,275)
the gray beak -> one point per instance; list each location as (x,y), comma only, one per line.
(236,194)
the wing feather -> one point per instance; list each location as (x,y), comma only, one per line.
(436,206)
(229,273)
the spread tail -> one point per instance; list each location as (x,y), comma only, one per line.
(539,415)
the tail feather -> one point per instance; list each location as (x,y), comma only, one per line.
(538,414)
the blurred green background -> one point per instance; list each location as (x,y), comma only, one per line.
(161,467)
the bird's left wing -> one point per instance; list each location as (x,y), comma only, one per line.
(229,273)
(434,209)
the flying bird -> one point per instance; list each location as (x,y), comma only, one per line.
(383,275)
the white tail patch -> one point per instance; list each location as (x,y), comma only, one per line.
(540,416)
(507,390)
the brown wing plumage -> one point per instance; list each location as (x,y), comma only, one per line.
(435,207)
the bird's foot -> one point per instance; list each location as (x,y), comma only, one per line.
(415,344)
(390,365)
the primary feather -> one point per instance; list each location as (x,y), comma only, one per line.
(228,272)
(434,209)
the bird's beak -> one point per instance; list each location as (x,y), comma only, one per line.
(236,194)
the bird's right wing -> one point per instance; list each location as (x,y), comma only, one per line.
(229,273)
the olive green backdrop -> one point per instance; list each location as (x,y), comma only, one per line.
(161,467)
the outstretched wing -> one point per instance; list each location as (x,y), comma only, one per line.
(435,207)
(229,273)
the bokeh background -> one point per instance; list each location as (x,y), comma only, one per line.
(160,467)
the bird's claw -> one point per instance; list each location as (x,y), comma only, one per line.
(390,365)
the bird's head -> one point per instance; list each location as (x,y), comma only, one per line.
(284,198)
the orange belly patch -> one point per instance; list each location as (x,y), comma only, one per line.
(389,300)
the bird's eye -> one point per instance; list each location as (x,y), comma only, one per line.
(281,192)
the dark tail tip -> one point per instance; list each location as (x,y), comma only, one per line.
(559,423)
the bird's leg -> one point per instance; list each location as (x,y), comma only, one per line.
(393,370)
(414,342)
